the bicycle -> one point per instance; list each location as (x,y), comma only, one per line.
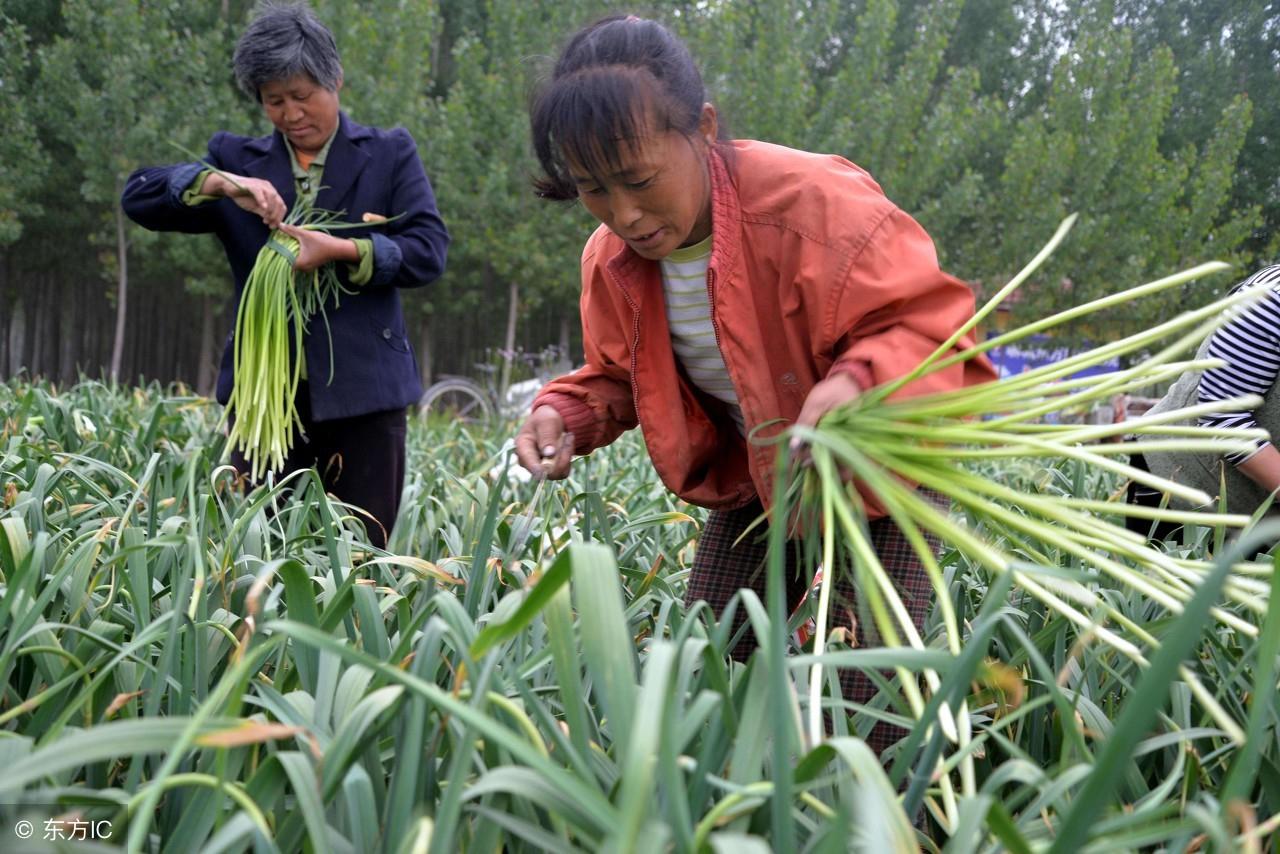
(458,398)
(463,399)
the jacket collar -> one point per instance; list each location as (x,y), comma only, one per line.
(726,212)
(343,165)
(726,232)
(272,163)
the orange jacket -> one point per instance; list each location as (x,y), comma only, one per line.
(812,270)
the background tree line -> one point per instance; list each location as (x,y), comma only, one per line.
(988,120)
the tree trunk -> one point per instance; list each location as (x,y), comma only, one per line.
(566,361)
(7,298)
(424,351)
(17,324)
(509,343)
(68,370)
(35,313)
(205,366)
(49,329)
(93,336)
(4,338)
(79,334)
(122,293)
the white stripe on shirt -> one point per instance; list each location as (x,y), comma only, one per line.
(693,337)
(1249,344)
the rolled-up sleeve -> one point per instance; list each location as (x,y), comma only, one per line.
(192,195)
(595,401)
(361,272)
(157,197)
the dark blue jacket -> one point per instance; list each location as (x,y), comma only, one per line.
(367,170)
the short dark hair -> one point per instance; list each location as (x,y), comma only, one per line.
(283,40)
(610,76)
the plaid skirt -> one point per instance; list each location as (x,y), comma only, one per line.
(725,562)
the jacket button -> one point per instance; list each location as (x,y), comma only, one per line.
(386,333)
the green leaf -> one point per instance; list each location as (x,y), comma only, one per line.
(535,599)
(356,730)
(1005,830)
(602,624)
(113,740)
(1244,769)
(362,807)
(303,782)
(301,601)
(1141,708)
(640,755)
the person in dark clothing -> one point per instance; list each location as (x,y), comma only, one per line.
(363,370)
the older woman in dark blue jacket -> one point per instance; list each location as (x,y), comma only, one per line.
(355,422)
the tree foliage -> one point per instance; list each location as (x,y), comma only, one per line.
(988,120)
(23,161)
(1223,50)
(1094,147)
(480,144)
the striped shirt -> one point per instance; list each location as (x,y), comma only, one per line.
(1250,346)
(693,338)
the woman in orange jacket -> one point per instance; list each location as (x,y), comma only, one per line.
(733,288)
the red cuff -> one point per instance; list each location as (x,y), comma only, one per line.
(579,419)
(859,370)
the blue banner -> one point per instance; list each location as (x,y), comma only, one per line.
(1038,351)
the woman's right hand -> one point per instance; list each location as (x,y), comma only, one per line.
(253,194)
(542,445)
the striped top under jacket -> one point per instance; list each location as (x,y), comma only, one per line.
(693,337)
(1250,346)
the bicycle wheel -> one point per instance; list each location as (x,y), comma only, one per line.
(457,399)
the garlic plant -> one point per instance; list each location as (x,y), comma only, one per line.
(890,444)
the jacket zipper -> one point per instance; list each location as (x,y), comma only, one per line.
(715,329)
(711,309)
(635,345)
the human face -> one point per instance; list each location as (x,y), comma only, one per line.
(659,197)
(303,110)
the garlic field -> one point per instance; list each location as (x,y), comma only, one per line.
(187,667)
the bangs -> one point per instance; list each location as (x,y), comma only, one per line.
(587,120)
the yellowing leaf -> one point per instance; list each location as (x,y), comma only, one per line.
(250,732)
(418,565)
(120,701)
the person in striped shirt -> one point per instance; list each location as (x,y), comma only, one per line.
(1249,346)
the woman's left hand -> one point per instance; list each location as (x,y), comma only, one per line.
(315,248)
(836,390)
